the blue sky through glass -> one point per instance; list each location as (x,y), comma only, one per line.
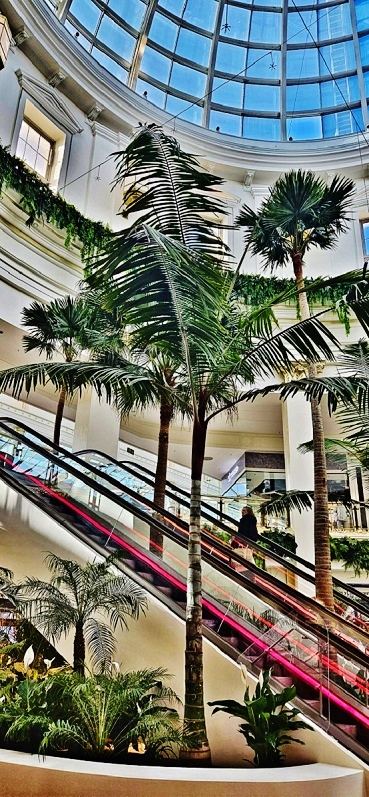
(230,60)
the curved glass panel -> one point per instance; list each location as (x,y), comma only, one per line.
(262,69)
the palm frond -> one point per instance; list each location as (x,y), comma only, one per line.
(292,499)
(301,211)
(336,389)
(101,644)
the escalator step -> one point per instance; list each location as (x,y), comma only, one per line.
(283,680)
(315,704)
(166,590)
(146,576)
(232,640)
(211,623)
(350,730)
(130,563)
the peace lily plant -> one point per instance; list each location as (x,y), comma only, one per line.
(267,720)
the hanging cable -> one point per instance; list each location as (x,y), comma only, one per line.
(268,53)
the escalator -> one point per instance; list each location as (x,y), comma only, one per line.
(141,479)
(249,614)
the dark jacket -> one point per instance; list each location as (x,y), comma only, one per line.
(247,528)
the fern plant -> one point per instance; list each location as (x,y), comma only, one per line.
(267,722)
(99,717)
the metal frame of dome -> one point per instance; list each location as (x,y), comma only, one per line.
(264,70)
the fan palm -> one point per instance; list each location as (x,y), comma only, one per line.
(77,598)
(300,213)
(64,327)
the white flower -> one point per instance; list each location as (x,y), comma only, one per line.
(48,662)
(115,668)
(243,670)
(2,699)
(28,658)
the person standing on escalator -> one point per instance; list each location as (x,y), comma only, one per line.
(246,532)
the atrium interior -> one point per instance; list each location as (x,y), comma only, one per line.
(252,90)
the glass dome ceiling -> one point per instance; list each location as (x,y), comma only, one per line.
(267,70)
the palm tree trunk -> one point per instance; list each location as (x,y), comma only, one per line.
(59,415)
(323,570)
(194,712)
(166,415)
(79,650)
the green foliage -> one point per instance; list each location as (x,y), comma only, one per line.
(42,204)
(256,290)
(224,536)
(283,538)
(267,723)
(100,718)
(354,553)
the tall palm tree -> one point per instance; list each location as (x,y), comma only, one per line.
(189,306)
(77,598)
(165,271)
(222,348)
(300,213)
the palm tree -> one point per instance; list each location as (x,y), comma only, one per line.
(302,212)
(221,349)
(62,327)
(152,376)
(75,598)
(103,717)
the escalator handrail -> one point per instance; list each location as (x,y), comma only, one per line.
(280,550)
(212,604)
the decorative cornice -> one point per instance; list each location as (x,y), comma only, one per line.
(94,112)
(21,36)
(56,78)
(110,135)
(49,100)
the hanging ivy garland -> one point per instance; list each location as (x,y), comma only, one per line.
(256,290)
(42,204)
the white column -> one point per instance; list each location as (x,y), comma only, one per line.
(297,429)
(358,493)
(97,425)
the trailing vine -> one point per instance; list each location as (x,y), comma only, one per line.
(354,553)
(255,290)
(42,204)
